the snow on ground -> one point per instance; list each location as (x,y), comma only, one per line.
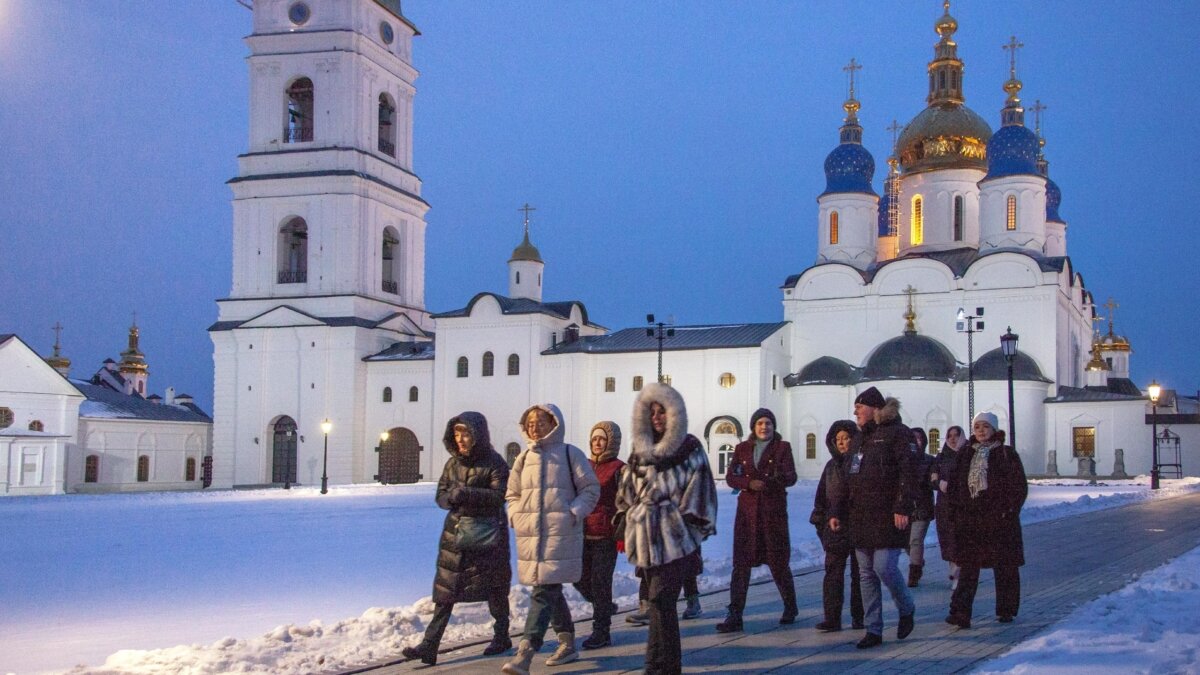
(1150,626)
(263,581)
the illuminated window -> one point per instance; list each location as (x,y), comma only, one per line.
(810,446)
(1083,441)
(833,227)
(665,379)
(610,384)
(6,417)
(958,218)
(935,441)
(189,471)
(1012,212)
(37,425)
(637,382)
(462,366)
(725,428)
(918,221)
(727,380)
(489,364)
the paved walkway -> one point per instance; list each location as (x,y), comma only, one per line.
(1070,562)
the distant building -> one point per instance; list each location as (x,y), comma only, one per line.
(326,319)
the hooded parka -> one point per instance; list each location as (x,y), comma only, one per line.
(833,490)
(667,491)
(471,486)
(551,490)
(760,527)
(883,485)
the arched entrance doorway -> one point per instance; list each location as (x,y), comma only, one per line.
(399,458)
(283,451)
(723,434)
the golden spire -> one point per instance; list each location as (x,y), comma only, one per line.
(57,361)
(132,359)
(945,70)
(1013,85)
(851,130)
(910,314)
(946,25)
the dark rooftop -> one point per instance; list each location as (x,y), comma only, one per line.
(958,260)
(686,337)
(510,306)
(404,351)
(105,403)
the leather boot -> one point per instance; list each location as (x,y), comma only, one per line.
(600,637)
(732,622)
(642,616)
(519,664)
(914,575)
(694,610)
(498,645)
(427,652)
(566,651)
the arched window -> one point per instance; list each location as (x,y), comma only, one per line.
(143,468)
(833,227)
(412,394)
(387,394)
(189,471)
(510,452)
(958,218)
(293,252)
(518,276)
(810,446)
(935,441)
(462,366)
(637,382)
(6,417)
(298,128)
(91,469)
(1012,212)
(725,428)
(387,125)
(514,364)
(390,263)
(489,364)
(37,425)
(918,220)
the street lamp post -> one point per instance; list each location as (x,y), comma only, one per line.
(970,325)
(1008,345)
(326,427)
(1154,390)
(659,331)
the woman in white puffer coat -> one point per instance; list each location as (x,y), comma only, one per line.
(551,491)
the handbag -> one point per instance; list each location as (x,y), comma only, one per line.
(476,533)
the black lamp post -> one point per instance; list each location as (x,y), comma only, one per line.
(326,427)
(970,325)
(1154,390)
(659,331)
(1008,345)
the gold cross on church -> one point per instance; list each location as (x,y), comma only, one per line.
(910,315)
(1012,48)
(1112,310)
(527,209)
(851,68)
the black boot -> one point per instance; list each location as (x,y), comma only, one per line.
(426,651)
(600,637)
(914,575)
(498,645)
(870,640)
(906,626)
(732,622)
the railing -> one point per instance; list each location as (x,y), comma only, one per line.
(389,287)
(293,276)
(300,134)
(387,147)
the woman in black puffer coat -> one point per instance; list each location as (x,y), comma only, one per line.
(472,486)
(830,490)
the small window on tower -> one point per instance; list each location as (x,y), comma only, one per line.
(958,218)
(917,221)
(1012,212)
(387,125)
(833,227)
(298,127)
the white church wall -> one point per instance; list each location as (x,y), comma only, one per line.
(117,444)
(31,463)
(937,190)
(1117,424)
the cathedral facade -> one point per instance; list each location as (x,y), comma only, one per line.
(911,291)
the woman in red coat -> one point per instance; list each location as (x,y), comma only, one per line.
(762,469)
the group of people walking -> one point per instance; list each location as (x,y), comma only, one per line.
(572,514)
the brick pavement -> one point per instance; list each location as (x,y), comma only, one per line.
(1069,562)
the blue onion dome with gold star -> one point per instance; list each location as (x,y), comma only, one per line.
(946,134)
(1013,150)
(850,167)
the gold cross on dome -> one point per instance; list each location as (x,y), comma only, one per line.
(1012,48)
(910,315)
(895,128)
(527,209)
(851,68)
(1112,310)
(1037,109)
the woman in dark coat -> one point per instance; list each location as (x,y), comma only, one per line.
(762,469)
(472,490)
(922,509)
(987,494)
(836,543)
(941,474)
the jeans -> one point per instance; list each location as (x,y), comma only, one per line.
(876,565)
(664,654)
(834,588)
(916,542)
(497,605)
(1008,590)
(595,585)
(739,584)
(547,607)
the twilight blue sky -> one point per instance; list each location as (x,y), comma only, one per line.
(674,152)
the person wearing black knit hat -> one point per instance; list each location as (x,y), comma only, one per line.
(878,504)
(762,469)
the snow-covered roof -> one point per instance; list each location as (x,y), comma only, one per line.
(104,403)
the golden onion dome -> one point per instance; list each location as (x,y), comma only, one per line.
(944,136)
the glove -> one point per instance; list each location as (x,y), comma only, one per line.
(620,546)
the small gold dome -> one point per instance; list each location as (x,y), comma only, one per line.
(946,25)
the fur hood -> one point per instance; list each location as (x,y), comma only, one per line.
(841,425)
(477,423)
(645,450)
(555,437)
(890,412)
(613,433)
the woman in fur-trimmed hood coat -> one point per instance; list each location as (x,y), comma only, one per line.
(471,486)
(551,491)
(667,491)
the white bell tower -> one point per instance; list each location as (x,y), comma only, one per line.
(328,240)
(525,267)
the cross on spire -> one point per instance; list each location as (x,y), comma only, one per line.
(1012,48)
(851,68)
(527,209)
(895,128)
(57,337)
(1112,309)
(1095,327)
(910,315)
(1037,109)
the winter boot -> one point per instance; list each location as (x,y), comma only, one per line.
(426,651)
(732,622)
(600,637)
(519,665)
(694,610)
(498,645)
(905,627)
(914,575)
(642,616)
(566,651)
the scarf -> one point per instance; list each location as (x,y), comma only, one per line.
(977,478)
(759,448)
